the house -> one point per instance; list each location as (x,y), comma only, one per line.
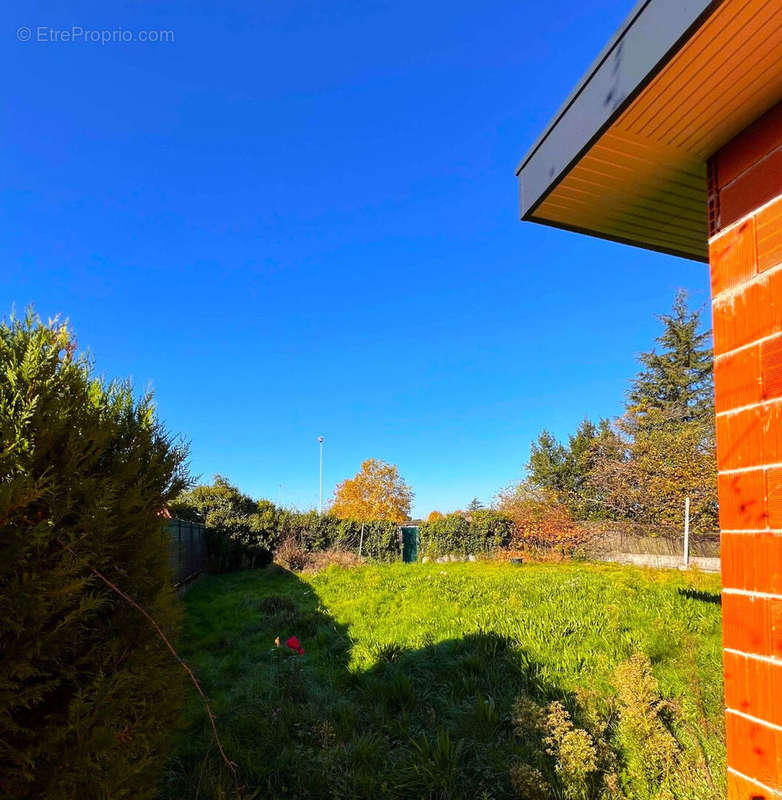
(672,141)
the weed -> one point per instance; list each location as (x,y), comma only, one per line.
(528,782)
(650,749)
(426,685)
(572,749)
(277,605)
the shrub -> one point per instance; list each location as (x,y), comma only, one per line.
(290,554)
(379,539)
(483,532)
(243,533)
(240,532)
(542,524)
(528,782)
(573,750)
(447,535)
(88,692)
(490,530)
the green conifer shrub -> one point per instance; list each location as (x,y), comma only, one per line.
(88,691)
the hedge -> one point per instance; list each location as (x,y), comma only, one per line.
(485,531)
(312,533)
(88,692)
(243,533)
(240,532)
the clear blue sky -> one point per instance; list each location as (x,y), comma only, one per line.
(300,218)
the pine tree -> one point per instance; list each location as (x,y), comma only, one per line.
(564,470)
(676,383)
(475,505)
(546,464)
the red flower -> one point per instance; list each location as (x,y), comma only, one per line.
(294,644)
(300,651)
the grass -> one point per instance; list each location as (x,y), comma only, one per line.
(453,681)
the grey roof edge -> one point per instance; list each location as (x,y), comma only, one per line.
(646,41)
(669,251)
(604,53)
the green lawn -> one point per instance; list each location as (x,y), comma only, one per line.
(437,681)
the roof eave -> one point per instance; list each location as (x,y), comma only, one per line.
(651,35)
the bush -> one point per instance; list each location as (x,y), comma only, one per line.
(542,524)
(88,692)
(314,533)
(484,532)
(290,554)
(490,530)
(447,535)
(240,532)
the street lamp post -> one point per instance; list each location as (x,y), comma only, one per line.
(320,496)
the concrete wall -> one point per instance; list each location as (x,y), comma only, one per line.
(658,561)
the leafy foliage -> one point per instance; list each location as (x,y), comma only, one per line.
(88,693)
(241,532)
(542,523)
(313,532)
(660,451)
(563,472)
(244,533)
(376,492)
(659,466)
(650,749)
(573,750)
(486,530)
(634,743)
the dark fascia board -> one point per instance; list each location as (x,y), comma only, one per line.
(646,41)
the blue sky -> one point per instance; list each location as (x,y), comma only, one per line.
(300,218)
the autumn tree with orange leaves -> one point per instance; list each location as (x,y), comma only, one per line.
(377,492)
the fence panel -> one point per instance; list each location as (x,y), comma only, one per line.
(186,549)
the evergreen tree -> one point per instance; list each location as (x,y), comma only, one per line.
(676,383)
(585,446)
(565,470)
(578,455)
(546,464)
(475,505)
(89,693)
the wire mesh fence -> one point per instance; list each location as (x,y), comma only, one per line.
(607,538)
(186,549)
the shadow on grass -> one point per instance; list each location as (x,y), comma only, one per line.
(706,597)
(434,722)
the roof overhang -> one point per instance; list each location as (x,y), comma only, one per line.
(625,156)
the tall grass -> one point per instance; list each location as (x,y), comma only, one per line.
(472,680)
